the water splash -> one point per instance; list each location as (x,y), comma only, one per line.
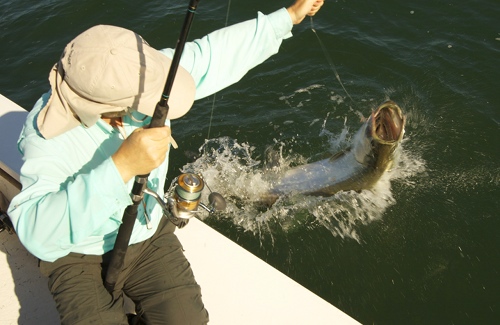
(233,170)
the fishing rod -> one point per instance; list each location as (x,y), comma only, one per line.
(137,194)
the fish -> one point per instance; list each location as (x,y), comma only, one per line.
(374,150)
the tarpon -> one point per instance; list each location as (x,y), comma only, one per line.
(373,151)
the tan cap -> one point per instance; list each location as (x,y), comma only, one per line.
(110,69)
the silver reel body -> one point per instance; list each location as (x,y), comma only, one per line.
(182,200)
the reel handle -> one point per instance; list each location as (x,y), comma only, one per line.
(217,201)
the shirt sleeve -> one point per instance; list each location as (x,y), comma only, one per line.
(223,57)
(75,201)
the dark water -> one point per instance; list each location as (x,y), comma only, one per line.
(425,247)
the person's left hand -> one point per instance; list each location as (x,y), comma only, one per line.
(302,8)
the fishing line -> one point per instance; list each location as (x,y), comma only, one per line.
(329,59)
(215,94)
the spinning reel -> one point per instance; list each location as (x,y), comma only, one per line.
(183,198)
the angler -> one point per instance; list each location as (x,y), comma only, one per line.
(98,139)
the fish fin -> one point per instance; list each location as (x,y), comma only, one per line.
(339,154)
(320,156)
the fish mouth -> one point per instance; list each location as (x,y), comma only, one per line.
(387,123)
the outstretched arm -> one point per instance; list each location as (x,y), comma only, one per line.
(223,57)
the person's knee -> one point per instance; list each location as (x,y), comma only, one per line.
(182,305)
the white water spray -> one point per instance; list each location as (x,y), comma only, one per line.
(232,170)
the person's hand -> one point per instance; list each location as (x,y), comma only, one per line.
(142,151)
(302,8)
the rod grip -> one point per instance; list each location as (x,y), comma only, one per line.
(121,245)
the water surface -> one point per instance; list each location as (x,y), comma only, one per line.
(423,248)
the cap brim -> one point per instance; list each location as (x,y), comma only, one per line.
(57,116)
(181,96)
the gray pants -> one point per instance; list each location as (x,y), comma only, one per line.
(156,276)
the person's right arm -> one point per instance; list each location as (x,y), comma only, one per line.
(223,57)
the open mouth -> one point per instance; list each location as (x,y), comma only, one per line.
(388,122)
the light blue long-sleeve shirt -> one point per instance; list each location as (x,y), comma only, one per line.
(73,196)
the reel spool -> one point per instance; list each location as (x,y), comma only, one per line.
(187,195)
(184,196)
(182,199)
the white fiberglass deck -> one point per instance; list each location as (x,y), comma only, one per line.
(238,288)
